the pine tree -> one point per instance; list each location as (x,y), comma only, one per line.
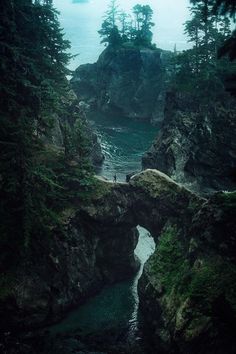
(125,26)
(198,69)
(224,8)
(33,81)
(143,24)
(118,27)
(109,32)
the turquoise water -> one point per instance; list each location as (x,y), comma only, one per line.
(82,20)
(123,141)
(115,307)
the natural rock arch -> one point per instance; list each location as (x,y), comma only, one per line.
(150,199)
(193,264)
(97,246)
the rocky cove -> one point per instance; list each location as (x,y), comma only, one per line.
(184,300)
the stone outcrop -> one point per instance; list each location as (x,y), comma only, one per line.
(196,145)
(73,111)
(187,291)
(188,287)
(127,81)
(66,269)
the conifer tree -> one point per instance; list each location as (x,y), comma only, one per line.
(198,68)
(224,8)
(109,32)
(33,80)
(143,24)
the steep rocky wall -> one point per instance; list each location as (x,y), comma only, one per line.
(95,247)
(188,287)
(72,112)
(127,81)
(187,291)
(196,145)
(63,271)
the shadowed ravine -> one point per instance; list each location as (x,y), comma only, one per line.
(123,142)
(115,307)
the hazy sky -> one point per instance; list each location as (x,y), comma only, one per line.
(81,22)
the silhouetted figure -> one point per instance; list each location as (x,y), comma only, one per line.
(115,178)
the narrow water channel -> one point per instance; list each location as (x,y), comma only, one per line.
(123,141)
(115,306)
(114,311)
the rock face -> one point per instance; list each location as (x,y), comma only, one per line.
(188,288)
(126,81)
(72,112)
(191,147)
(62,272)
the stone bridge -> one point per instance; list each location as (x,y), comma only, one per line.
(96,247)
(150,199)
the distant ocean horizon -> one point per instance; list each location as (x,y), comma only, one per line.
(81,20)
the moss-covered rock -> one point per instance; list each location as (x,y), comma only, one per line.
(188,288)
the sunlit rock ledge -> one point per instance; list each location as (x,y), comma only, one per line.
(187,291)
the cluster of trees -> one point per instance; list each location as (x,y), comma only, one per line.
(119,27)
(223,8)
(199,68)
(34,176)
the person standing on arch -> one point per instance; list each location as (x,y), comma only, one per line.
(115,178)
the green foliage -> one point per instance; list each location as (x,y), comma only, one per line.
(119,28)
(226,199)
(110,34)
(109,31)
(205,282)
(222,7)
(6,284)
(33,85)
(198,70)
(227,47)
(169,261)
(215,278)
(142,30)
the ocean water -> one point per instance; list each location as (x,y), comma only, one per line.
(123,142)
(82,19)
(114,307)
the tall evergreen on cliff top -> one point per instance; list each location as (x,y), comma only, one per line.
(33,80)
(198,70)
(109,32)
(223,8)
(119,28)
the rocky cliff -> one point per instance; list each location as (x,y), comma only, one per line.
(187,291)
(72,113)
(196,145)
(91,250)
(127,81)
(188,288)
